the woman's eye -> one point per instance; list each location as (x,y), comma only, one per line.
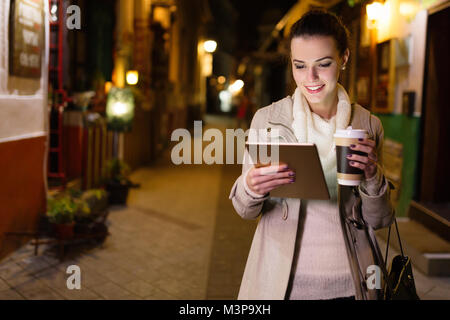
(325,65)
(299,67)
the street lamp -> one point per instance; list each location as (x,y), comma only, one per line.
(374,12)
(119,113)
(132,77)
(210,46)
(120,109)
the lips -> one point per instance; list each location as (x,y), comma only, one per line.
(314,89)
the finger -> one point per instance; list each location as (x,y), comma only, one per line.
(361,147)
(368,142)
(358,158)
(359,165)
(269,170)
(255,180)
(269,186)
(369,163)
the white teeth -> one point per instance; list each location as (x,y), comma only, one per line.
(314,88)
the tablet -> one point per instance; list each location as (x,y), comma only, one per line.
(302,158)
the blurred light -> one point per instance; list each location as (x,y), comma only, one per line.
(225,100)
(408,9)
(236,86)
(374,10)
(385,20)
(53,12)
(132,77)
(374,14)
(258,70)
(108,86)
(162,15)
(241,69)
(210,46)
(207,65)
(221,79)
(120,109)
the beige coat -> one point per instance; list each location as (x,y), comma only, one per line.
(270,259)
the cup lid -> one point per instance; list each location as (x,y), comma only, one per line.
(349,132)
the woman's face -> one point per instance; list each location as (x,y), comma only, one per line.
(316,64)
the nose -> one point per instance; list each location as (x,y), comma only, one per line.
(312,74)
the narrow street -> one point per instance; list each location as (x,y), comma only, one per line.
(99,204)
(178,238)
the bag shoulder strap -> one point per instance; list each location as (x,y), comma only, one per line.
(379,257)
(399,240)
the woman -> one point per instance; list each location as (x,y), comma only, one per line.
(299,250)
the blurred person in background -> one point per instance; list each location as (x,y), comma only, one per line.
(242,110)
(246,109)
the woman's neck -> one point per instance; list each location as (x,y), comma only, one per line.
(325,109)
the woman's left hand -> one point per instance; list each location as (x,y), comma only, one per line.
(366,163)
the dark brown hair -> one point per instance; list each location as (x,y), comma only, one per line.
(321,23)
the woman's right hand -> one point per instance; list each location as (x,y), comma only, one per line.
(264,179)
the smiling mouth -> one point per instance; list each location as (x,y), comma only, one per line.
(314,89)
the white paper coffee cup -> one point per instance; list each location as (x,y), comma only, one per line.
(348,175)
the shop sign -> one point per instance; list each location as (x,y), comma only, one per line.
(26,38)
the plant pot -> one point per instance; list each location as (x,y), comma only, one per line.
(64,231)
(117,193)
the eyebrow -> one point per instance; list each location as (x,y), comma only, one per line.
(327,57)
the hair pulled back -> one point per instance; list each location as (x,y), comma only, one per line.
(321,23)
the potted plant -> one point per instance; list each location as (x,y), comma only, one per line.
(91,209)
(116,181)
(61,213)
(96,200)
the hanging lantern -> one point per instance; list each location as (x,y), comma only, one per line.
(120,109)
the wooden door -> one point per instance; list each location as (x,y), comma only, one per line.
(434,184)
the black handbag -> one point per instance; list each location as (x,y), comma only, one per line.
(399,281)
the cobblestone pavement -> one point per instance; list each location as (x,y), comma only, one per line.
(178,238)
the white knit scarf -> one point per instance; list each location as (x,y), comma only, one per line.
(311,128)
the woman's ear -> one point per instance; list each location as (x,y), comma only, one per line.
(345,57)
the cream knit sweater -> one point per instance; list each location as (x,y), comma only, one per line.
(320,268)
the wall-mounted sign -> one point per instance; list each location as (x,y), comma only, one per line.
(26,38)
(385,78)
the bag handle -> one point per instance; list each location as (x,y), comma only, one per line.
(389,233)
(399,241)
(379,257)
(376,250)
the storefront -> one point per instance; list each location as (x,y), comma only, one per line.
(23,114)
